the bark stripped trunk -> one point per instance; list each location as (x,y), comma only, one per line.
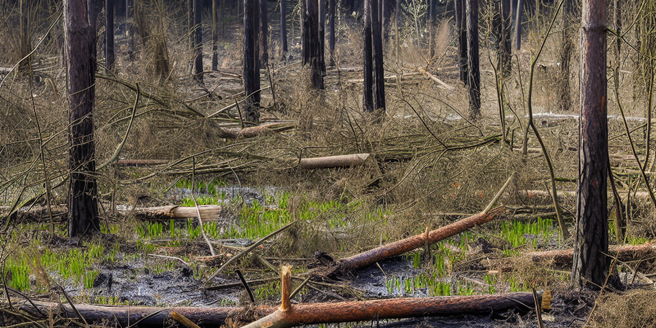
(215,37)
(198,42)
(331,29)
(377,47)
(368,71)
(263,35)
(461,35)
(474,77)
(81,65)
(563,87)
(251,60)
(311,42)
(109,34)
(591,243)
(283,28)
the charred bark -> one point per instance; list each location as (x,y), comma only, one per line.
(461,35)
(311,44)
(263,34)
(283,28)
(591,244)
(474,76)
(80,40)
(331,29)
(109,34)
(251,72)
(518,24)
(565,54)
(377,47)
(215,37)
(322,36)
(368,71)
(505,46)
(198,41)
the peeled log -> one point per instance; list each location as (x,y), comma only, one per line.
(624,253)
(402,246)
(208,212)
(333,161)
(307,314)
(254,131)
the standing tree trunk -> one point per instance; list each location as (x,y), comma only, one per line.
(505,48)
(461,34)
(331,27)
(283,28)
(518,24)
(563,87)
(311,44)
(251,60)
(591,263)
(377,45)
(190,22)
(431,28)
(474,76)
(322,36)
(397,17)
(368,70)
(80,40)
(109,34)
(198,43)
(263,35)
(215,37)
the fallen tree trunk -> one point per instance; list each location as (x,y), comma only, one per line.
(36,213)
(333,161)
(208,212)
(623,253)
(140,162)
(434,78)
(394,308)
(254,131)
(531,194)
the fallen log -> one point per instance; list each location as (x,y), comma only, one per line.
(434,78)
(333,161)
(624,253)
(36,213)
(208,212)
(140,162)
(254,131)
(307,314)
(532,194)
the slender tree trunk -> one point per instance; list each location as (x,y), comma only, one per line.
(461,35)
(368,86)
(251,60)
(377,47)
(591,245)
(322,36)
(190,22)
(311,51)
(198,43)
(397,17)
(263,35)
(505,48)
(129,28)
(331,27)
(518,24)
(109,34)
(431,28)
(81,65)
(563,87)
(474,77)
(215,37)
(283,28)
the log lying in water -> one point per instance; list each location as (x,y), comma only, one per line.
(333,161)
(208,212)
(36,213)
(624,253)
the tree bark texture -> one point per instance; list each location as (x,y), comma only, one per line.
(591,243)
(283,27)
(215,36)
(377,47)
(311,43)
(505,48)
(431,28)
(109,34)
(518,24)
(198,41)
(624,253)
(322,36)
(331,29)
(563,87)
(474,77)
(368,71)
(80,48)
(263,34)
(251,60)
(461,35)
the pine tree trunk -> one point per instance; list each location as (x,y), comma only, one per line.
(368,86)
(506,39)
(81,65)
(215,37)
(431,28)
(474,77)
(263,34)
(109,34)
(397,17)
(518,24)
(461,35)
(311,43)
(198,42)
(251,60)
(331,28)
(590,262)
(563,87)
(322,36)
(283,28)
(377,45)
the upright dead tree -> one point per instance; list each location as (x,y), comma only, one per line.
(80,40)
(377,46)
(311,44)
(474,76)
(431,28)
(518,24)
(263,34)
(461,35)
(322,35)
(331,29)
(283,28)
(368,70)
(591,264)
(505,38)
(215,37)
(251,72)
(109,34)
(198,40)
(565,54)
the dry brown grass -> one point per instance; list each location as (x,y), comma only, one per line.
(631,309)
